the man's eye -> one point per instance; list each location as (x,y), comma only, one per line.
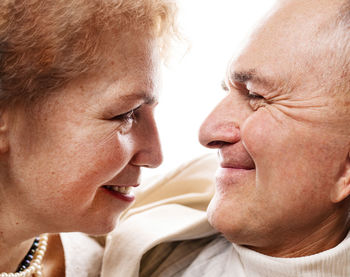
(253,95)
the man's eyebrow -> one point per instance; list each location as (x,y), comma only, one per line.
(251,76)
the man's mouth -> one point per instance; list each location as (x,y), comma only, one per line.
(237,166)
(235,158)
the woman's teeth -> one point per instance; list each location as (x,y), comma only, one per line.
(124,190)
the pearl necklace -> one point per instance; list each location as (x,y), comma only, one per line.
(35,267)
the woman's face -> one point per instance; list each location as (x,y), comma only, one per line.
(67,158)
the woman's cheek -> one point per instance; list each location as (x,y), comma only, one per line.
(102,158)
(111,156)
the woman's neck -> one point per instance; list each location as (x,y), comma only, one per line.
(16,238)
(53,262)
(11,255)
(17,232)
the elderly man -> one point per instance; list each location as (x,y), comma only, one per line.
(283,137)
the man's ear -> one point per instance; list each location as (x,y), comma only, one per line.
(342,187)
(4,127)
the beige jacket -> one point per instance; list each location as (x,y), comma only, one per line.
(171,208)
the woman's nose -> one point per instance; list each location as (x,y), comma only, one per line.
(149,152)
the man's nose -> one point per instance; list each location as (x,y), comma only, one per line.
(220,127)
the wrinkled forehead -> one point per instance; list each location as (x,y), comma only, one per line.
(299,18)
(292,38)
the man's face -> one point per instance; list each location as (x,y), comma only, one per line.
(282,133)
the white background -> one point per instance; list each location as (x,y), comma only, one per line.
(215,31)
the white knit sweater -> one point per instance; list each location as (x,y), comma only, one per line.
(224,259)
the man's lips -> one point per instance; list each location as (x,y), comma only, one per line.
(232,174)
(236,166)
(235,157)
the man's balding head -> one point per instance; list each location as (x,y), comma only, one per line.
(282,133)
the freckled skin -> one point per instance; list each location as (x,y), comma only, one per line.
(61,155)
(296,138)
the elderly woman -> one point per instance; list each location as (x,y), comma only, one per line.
(78,88)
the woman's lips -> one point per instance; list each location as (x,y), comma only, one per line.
(124,193)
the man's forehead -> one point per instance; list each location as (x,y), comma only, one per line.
(284,49)
(300,9)
(298,19)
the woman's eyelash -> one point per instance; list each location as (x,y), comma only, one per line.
(128,116)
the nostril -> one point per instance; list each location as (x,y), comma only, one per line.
(215,144)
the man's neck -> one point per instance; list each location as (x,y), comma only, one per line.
(298,244)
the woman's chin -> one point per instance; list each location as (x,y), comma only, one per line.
(98,227)
(99,232)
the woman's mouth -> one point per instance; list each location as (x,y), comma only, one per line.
(124,193)
(124,190)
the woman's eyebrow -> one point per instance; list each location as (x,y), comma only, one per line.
(147,98)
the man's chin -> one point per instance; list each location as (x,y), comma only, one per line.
(218,216)
(223,218)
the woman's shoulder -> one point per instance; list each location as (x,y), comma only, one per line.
(83,255)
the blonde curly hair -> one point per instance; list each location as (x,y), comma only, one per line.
(44,44)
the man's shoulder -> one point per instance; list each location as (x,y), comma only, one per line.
(196,257)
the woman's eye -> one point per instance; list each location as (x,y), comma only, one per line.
(126,120)
(125,117)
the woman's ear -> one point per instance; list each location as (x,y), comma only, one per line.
(342,187)
(4,126)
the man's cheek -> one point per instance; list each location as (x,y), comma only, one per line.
(255,133)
